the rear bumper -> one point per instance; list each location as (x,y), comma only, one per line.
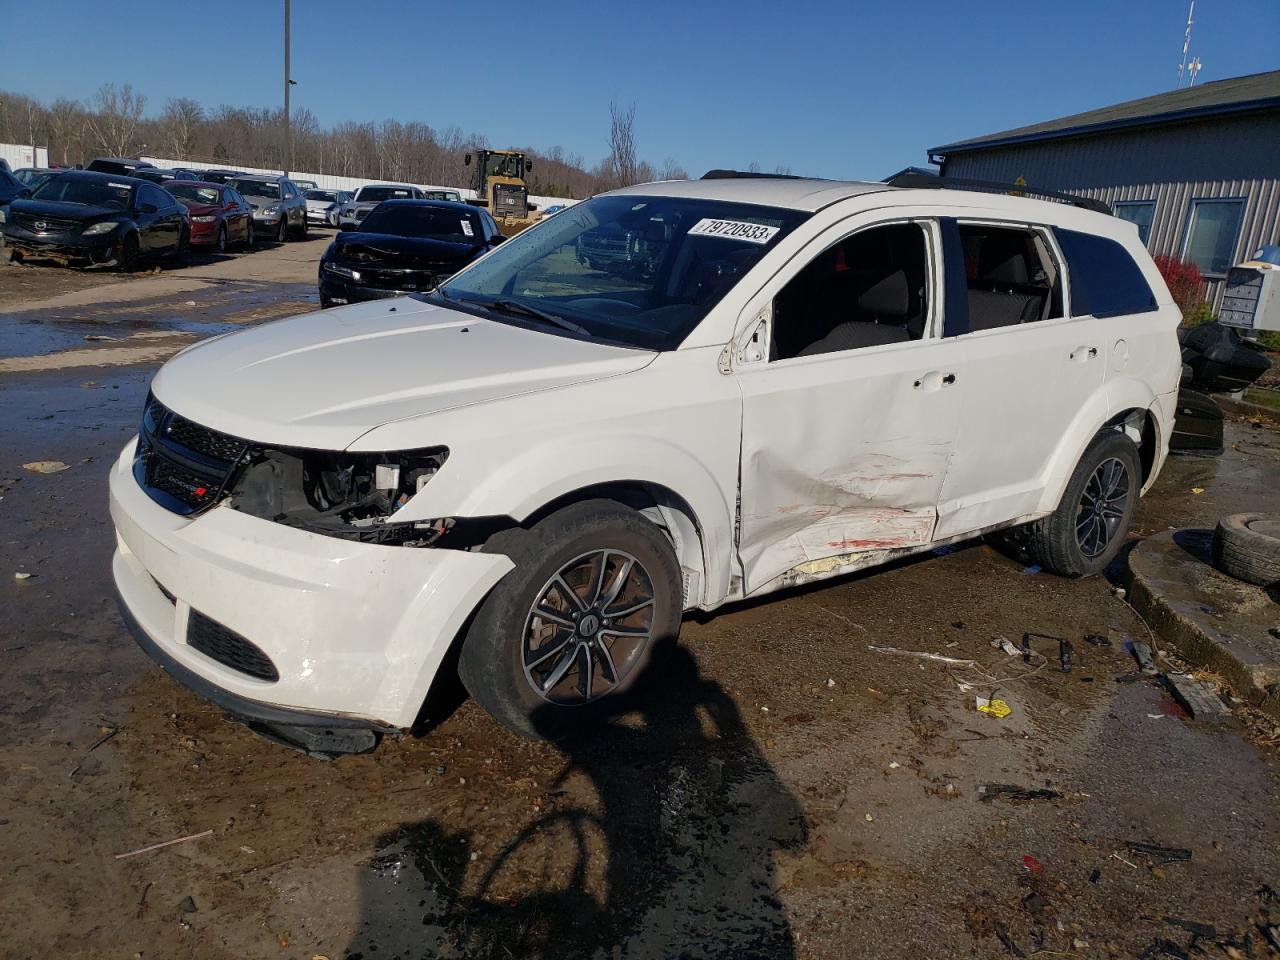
(356,631)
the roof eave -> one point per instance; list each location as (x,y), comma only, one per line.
(1088,129)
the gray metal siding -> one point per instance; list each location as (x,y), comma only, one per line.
(1172,165)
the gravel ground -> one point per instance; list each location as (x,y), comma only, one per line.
(777,790)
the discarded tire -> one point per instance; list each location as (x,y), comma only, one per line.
(1247,547)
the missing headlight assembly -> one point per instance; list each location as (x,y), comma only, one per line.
(354,495)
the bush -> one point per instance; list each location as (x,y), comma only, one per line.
(1270,339)
(1187,287)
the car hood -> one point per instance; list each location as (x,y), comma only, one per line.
(322,380)
(66,211)
(259,202)
(357,246)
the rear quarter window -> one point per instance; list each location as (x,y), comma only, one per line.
(1105,280)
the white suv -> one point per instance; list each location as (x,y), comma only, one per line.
(540,466)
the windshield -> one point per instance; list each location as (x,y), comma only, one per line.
(328,195)
(637,270)
(383,193)
(257,188)
(32,178)
(436,223)
(196,194)
(503,165)
(90,193)
(442,195)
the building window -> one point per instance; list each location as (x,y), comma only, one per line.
(1138,212)
(1212,230)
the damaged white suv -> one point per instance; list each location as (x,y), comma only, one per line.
(540,466)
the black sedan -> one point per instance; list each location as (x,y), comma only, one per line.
(81,218)
(404,246)
(11,188)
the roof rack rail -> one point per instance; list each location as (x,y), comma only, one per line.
(929,181)
(747,175)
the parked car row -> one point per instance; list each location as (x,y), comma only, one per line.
(126,211)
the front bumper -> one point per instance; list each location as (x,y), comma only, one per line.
(356,631)
(63,246)
(340,290)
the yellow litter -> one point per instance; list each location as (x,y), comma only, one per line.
(994,708)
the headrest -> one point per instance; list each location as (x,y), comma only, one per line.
(1012,269)
(889,298)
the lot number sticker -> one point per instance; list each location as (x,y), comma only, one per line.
(466,228)
(733,230)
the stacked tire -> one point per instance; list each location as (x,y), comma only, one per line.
(1247,546)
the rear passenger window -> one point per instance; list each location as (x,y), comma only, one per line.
(868,290)
(1010,275)
(1105,282)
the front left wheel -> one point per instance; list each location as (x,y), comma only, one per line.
(594,597)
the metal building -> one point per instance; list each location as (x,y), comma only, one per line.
(1197,169)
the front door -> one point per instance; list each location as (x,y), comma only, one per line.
(850,404)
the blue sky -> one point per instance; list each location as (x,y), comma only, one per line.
(834,89)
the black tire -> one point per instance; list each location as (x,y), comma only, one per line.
(1247,547)
(1054,543)
(251,240)
(282,231)
(325,302)
(492,663)
(183,249)
(220,243)
(127,259)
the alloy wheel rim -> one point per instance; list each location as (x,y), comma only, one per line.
(1102,507)
(588,627)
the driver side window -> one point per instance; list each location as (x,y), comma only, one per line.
(870,289)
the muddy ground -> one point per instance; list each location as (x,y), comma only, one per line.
(779,790)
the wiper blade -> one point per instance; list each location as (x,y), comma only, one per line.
(523,309)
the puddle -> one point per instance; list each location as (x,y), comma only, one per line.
(29,333)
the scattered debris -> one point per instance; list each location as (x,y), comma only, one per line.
(1032,865)
(46,466)
(166,843)
(1163,854)
(22,575)
(1064,648)
(868,817)
(142,902)
(939,658)
(103,337)
(1003,643)
(1197,697)
(109,732)
(894,765)
(1164,948)
(1034,568)
(830,682)
(188,905)
(1197,490)
(994,708)
(1193,926)
(1124,861)
(1097,640)
(1014,793)
(1142,653)
(1095,877)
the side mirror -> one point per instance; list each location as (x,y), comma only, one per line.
(24,193)
(467,160)
(528,164)
(496,239)
(344,227)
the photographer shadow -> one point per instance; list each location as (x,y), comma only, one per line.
(658,840)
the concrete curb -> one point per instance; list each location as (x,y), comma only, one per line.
(1212,620)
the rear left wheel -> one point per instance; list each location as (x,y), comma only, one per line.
(594,597)
(1093,518)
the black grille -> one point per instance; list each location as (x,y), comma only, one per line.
(228,647)
(202,440)
(190,488)
(183,466)
(51,224)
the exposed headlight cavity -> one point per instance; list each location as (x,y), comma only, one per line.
(340,494)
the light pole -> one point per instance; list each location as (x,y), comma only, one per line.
(288,136)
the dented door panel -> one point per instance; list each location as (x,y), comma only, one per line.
(843,453)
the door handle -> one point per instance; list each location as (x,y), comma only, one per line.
(934,380)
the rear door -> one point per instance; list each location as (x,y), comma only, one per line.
(1029,369)
(850,402)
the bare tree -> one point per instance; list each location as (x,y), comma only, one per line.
(67,126)
(672,170)
(115,123)
(621,163)
(178,124)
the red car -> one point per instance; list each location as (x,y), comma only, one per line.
(220,217)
